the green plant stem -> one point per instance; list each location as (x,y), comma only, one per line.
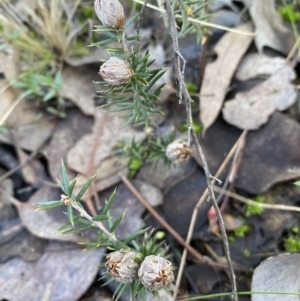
(240,294)
(97,224)
(184,94)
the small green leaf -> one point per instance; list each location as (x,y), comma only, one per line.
(142,80)
(135,235)
(120,245)
(70,214)
(77,229)
(71,187)
(51,93)
(101,217)
(84,188)
(297,183)
(49,205)
(116,223)
(67,225)
(65,180)
(108,203)
(124,288)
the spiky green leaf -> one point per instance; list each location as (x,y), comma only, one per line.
(84,188)
(108,203)
(116,223)
(65,180)
(70,214)
(49,205)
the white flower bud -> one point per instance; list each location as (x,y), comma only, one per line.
(156,272)
(121,265)
(178,151)
(116,71)
(110,13)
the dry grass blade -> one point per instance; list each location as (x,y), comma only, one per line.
(204,23)
(257,204)
(46,29)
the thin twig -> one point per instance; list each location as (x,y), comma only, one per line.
(236,162)
(184,94)
(198,205)
(190,249)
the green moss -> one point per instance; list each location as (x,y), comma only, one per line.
(246,253)
(289,13)
(292,243)
(253,209)
(197,127)
(242,230)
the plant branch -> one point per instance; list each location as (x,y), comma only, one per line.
(84,214)
(183,94)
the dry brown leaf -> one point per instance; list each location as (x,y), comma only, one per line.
(64,272)
(68,131)
(93,153)
(92,57)
(22,124)
(44,224)
(252,109)
(33,171)
(78,87)
(256,65)
(217,77)
(270,30)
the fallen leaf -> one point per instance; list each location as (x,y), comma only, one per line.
(271,154)
(78,87)
(91,151)
(22,124)
(92,57)
(252,109)
(277,274)
(63,272)
(23,245)
(269,28)
(217,76)
(68,131)
(107,174)
(44,223)
(257,65)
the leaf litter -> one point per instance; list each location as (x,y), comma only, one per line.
(250,110)
(217,76)
(86,139)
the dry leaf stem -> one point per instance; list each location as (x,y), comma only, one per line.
(183,94)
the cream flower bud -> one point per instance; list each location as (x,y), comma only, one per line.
(156,272)
(122,266)
(110,13)
(178,151)
(116,71)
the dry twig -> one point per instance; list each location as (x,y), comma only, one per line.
(184,94)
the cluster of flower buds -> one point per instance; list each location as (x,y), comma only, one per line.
(155,272)
(121,265)
(178,151)
(110,13)
(116,71)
